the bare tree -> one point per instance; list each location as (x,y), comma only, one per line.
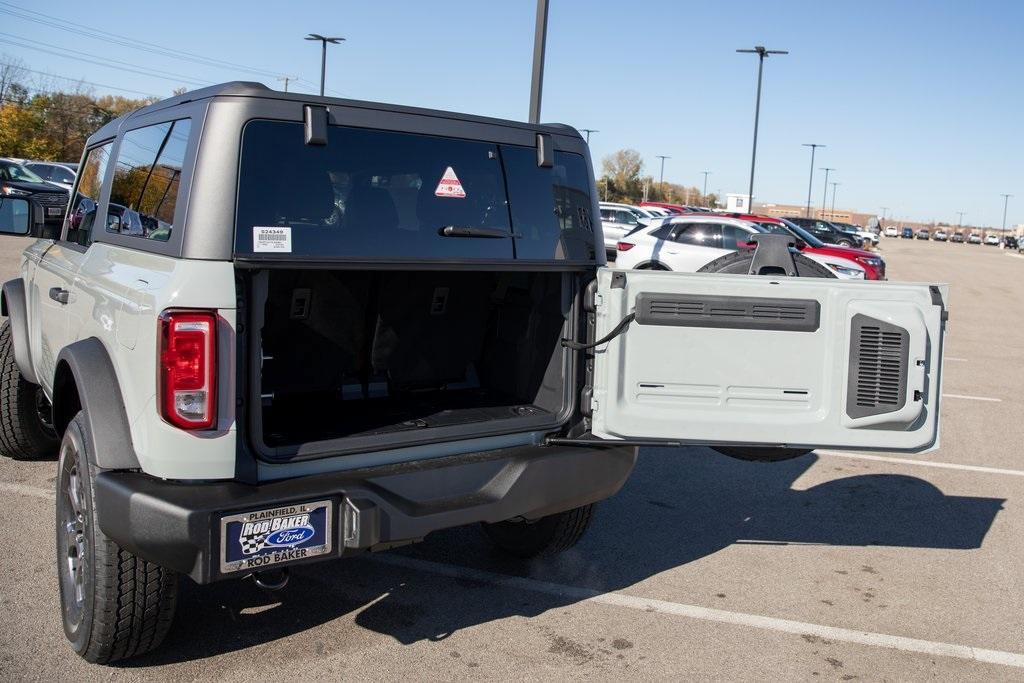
(12,73)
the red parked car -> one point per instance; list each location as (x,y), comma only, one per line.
(872,263)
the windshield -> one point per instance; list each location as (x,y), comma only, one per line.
(17,172)
(811,240)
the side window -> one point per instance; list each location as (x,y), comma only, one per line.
(147,174)
(733,237)
(607,214)
(664,232)
(82,214)
(625,217)
(701,234)
(61,174)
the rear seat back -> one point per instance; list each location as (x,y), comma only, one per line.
(430,327)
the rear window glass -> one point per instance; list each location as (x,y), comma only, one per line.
(381,195)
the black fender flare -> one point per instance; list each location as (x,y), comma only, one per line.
(15,307)
(85,380)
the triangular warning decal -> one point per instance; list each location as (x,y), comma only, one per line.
(450,185)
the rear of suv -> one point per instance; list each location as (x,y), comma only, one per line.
(278,329)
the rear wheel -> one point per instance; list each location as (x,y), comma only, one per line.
(26,429)
(114,605)
(738,262)
(544,537)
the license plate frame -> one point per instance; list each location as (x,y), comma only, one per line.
(277,535)
(54,211)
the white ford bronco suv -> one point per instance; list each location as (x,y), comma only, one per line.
(278,328)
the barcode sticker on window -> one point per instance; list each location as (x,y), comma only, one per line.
(272,238)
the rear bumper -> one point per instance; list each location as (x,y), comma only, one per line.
(177,525)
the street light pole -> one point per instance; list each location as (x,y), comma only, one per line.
(706,174)
(540,39)
(588,131)
(824,193)
(1006,200)
(810,183)
(287,80)
(661,178)
(834,185)
(960,220)
(323,54)
(761,53)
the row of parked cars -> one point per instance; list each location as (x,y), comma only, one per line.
(961,237)
(652,237)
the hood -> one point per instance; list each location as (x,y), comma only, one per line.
(845,252)
(33,187)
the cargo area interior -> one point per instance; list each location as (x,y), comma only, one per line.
(355,353)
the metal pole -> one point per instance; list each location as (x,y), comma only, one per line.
(661,179)
(706,174)
(884,209)
(761,53)
(588,131)
(960,220)
(810,182)
(824,193)
(1006,200)
(323,67)
(834,199)
(540,37)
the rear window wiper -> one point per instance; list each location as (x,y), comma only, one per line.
(470,231)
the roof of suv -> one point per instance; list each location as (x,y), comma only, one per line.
(252,89)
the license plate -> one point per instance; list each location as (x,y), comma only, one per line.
(53,210)
(251,541)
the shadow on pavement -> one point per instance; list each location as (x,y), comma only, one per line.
(679,505)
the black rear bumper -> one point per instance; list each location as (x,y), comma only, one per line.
(177,525)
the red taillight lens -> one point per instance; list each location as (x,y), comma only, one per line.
(624,246)
(188,368)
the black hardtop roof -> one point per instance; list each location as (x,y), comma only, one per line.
(252,89)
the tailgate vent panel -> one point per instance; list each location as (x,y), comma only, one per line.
(879,353)
(733,312)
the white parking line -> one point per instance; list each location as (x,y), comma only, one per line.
(954,358)
(973,398)
(928,647)
(922,463)
(654,605)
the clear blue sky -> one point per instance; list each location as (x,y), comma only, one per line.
(918,102)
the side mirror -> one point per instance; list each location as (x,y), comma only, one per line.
(20,217)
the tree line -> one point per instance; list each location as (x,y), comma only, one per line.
(49,123)
(623,180)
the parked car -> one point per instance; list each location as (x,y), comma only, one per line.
(264,381)
(617,220)
(673,209)
(61,174)
(826,232)
(907,234)
(957,237)
(688,243)
(865,234)
(18,181)
(992,240)
(891,231)
(1010,242)
(974,238)
(940,236)
(846,262)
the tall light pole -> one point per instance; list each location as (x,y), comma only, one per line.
(960,220)
(588,131)
(834,185)
(540,39)
(1006,200)
(706,174)
(884,209)
(287,79)
(824,193)
(810,183)
(661,178)
(761,53)
(323,55)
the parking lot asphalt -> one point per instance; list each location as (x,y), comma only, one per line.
(827,567)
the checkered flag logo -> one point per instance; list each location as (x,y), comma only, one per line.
(252,543)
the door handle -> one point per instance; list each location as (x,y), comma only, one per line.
(59,295)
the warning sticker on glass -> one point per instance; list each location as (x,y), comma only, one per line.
(272,238)
(450,185)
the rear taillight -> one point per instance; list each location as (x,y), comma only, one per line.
(624,246)
(188,368)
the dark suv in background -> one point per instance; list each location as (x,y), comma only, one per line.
(18,181)
(827,232)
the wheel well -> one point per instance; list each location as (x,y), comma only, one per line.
(66,401)
(651,265)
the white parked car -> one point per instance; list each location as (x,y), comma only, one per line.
(891,231)
(992,240)
(619,219)
(688,243)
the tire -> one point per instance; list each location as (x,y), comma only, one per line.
(25,429)
(114,605)
(738,262)
(545,537)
